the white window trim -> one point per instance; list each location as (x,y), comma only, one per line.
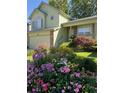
(86,30)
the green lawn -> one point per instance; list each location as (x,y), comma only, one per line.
(91,55)
(29,55)
(30,58)
(83,54)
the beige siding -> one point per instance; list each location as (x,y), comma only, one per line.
(95,30)
(51,12)
(62,20)
(38,14)
(60,36)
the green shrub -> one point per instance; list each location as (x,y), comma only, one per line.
(65,44)
(53,50)
(90,81)
(91,49)
(30,52)
(88,64)
(89,89)
(63,51)
(72,44)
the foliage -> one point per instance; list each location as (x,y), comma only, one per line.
(89,64)
(65,44)
(48,78)
(82,8)
(30,52)
(65,50)
(53,50)
(60,71)
(83,43)
(59,4)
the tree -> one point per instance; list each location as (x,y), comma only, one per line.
(82,8)
(59,4)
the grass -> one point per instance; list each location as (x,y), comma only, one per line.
(90,55)
(65,44)
(29,55)
(83,54)
(30,58)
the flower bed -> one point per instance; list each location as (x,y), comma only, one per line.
(61,72)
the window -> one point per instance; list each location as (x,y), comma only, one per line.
(84,30)
(52,17)
(41,23)
(37,24)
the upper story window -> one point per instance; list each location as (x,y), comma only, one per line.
(37,24)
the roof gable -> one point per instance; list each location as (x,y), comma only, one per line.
(43,3)
(37,9)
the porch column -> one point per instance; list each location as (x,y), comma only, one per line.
(93,31)
(70,31)
(51,39)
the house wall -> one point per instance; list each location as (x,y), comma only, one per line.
(37,15)
(51,12)
(73,30)
(95,31)
(39,38)
(60,36)
(62,20)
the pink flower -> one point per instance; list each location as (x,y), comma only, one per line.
(33,90)
(79,86)
(65,69)
(40,82)
(45,87)
(63,91)
(77,74)
(76,90)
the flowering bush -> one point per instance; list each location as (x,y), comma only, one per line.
(65,69)
(60,71)
(83,43)
(59,76)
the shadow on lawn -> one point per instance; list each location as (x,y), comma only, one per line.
(93,54)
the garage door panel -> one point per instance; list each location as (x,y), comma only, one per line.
(35,41)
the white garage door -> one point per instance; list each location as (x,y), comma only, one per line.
(42,39)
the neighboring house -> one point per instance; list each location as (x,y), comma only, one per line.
(51,27)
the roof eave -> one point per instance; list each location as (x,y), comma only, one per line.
(82,21)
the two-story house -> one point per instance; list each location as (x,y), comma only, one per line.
(51,27)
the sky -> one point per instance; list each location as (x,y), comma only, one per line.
(32,4)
